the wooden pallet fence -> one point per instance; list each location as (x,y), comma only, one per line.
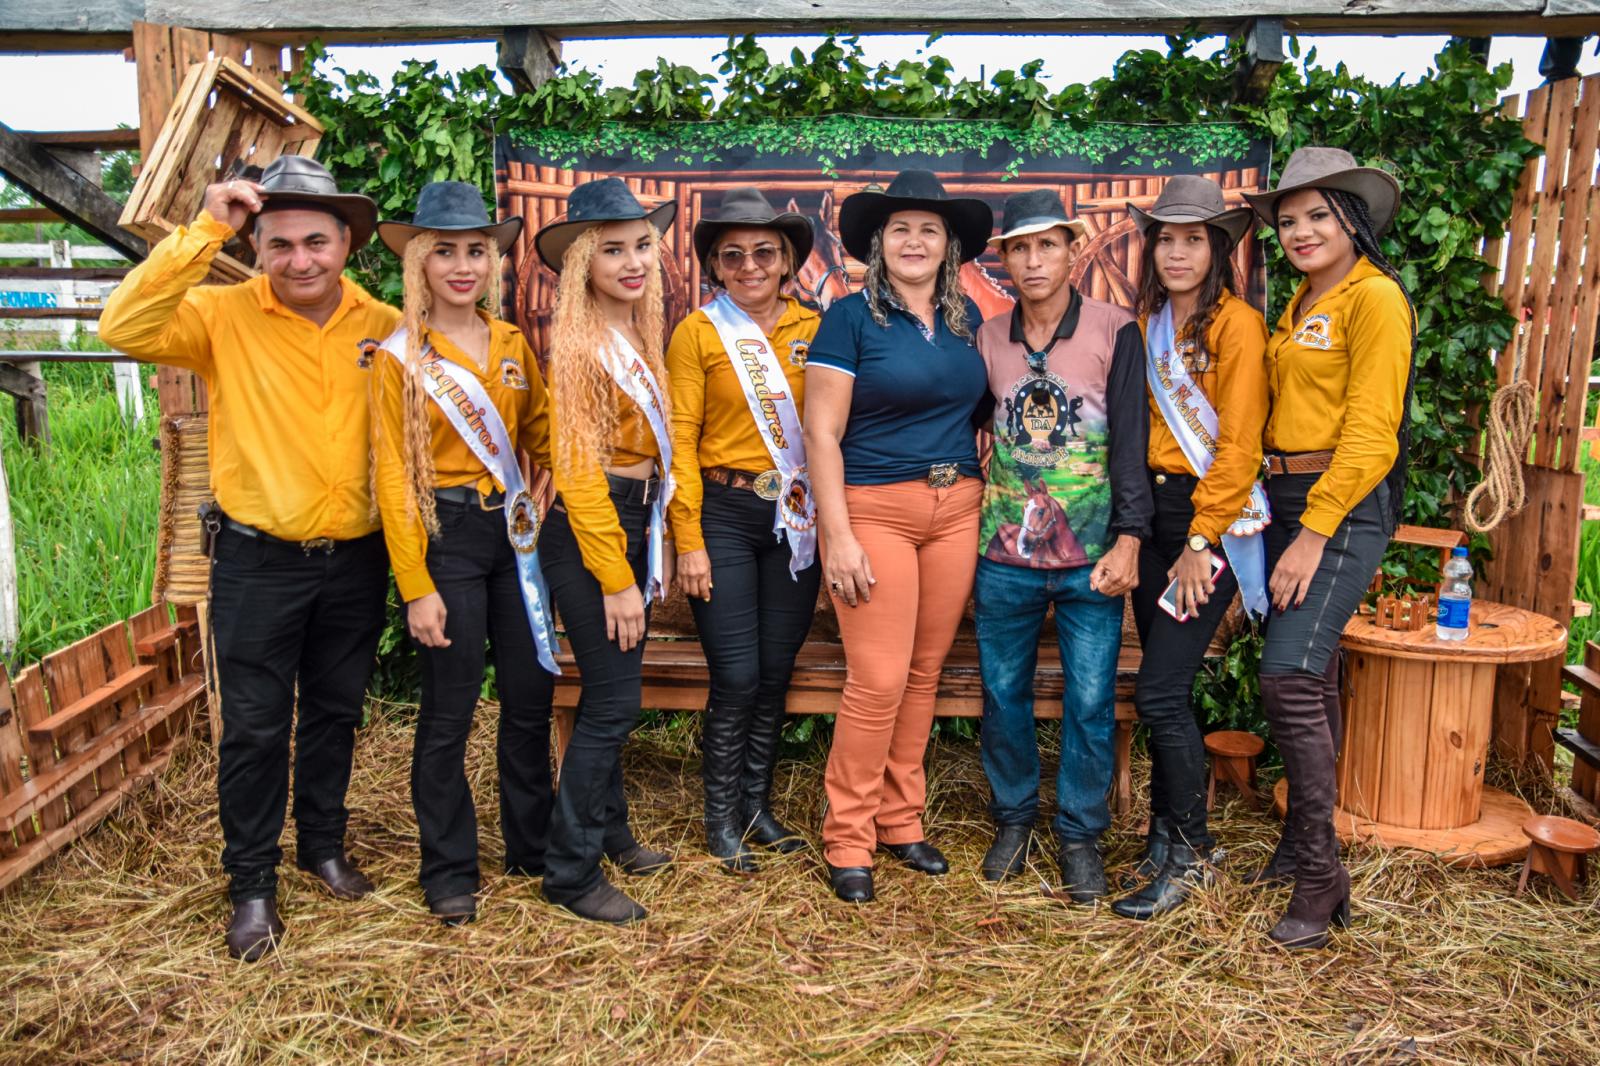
(1547,270)
(88,726)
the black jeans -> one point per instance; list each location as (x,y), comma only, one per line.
(285,618)
(1172,655)
(474,569)
(757,619)
(591,811)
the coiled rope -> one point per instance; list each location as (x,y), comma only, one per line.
(1513,413)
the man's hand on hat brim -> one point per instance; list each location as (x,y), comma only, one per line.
(232,202)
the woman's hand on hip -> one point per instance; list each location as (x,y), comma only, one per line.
(425,619)
(1291,578)
(847,570)
(694,574)
(625,617)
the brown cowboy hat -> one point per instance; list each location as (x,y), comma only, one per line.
(292,181)
(1316,167)
(746,206)
(1191,198)
(864,213)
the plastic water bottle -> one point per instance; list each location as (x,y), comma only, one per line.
(1455,597)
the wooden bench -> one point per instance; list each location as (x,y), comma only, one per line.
(676,678)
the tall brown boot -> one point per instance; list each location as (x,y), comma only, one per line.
(1279,870)
(1296,706)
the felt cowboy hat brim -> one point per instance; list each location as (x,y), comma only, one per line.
(553,240)
(1316,167)
(1235,222)
(295,181)
(396,235)
(864,213)
(1073,226)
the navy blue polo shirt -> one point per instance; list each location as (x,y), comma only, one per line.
(914,398)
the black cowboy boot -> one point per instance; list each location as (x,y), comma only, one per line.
(722,761)
(1296,711)
(755,785)
(1008,854)
(1154,855)
(1185,870)
(1083,871)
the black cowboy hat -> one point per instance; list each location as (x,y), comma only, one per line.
(1035,211)
(864,213)
(294,181)
(449,207)
(1191,198)
(592,204)
(1317,167)
(746,206)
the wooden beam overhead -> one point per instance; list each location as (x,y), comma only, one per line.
(32,24)
(66,192)
(1263,56)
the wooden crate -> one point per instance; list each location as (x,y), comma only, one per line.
(223,117)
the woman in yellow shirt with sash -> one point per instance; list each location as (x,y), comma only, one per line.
(450,492)
(604,549)
(741,513)
(1339,368)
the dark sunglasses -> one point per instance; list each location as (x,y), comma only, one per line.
(731,259)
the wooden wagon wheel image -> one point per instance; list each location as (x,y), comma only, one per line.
(1096,254)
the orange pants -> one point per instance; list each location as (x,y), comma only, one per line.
(922,544)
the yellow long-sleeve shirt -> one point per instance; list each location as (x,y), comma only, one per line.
(586,494)
(289,420)
(1338,381)
(516,389)
(711,422)
(1234,379)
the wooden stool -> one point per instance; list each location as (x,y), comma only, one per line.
(1559,848)
(1233,762)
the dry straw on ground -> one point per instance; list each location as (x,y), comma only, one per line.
(114,953)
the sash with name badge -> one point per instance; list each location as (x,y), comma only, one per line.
(757,368)
(632,375)
(466,406)
(1193,422)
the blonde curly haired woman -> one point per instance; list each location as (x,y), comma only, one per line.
(446,484)
(603,547)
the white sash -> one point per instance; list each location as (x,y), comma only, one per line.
(755,364)
(1193,422)
(467,407)
(632,375)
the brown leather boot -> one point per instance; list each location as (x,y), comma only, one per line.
(341,878)
(254,929)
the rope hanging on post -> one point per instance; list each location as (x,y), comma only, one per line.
(1513,413)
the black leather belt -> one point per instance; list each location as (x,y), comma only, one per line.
(468,494)
(633,489)
(325,545)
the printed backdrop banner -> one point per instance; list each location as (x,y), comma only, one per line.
(811,165)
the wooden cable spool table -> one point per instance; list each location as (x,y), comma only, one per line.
(1417,718)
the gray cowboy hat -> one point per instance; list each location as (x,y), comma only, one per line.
(1315,167)
(592,204)
(746,206)
(292,181)
(864,213)
(1191,198)
(1035,211)
(449,207)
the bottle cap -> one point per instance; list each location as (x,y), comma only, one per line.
(1459,552)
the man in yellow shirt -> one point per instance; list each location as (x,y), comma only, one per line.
(299,571)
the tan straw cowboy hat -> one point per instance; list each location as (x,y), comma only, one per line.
(1315,167)
(1191,198)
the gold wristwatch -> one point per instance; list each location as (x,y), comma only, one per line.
(1197,543)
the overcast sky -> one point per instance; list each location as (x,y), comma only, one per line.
(99,92)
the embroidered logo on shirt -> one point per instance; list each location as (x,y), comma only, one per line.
(368,348)
(511,375)
(1041,420)
(1316,331)
(1195,361)
(798,350)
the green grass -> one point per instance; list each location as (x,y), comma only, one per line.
(84,511)
(1588,587)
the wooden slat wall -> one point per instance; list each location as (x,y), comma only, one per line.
(1547,270)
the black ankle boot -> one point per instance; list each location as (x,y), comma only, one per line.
(1083,871)
(755,782)
(1184,871)
(1153,857)
(1008,854)
(722,741)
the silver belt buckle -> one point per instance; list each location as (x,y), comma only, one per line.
(943,475)
(318,544)
(768,485)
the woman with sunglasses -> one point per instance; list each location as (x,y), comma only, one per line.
(742,514)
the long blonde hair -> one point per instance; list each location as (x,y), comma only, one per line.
(416,436)
(584,393)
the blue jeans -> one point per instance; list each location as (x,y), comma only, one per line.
(1011,602)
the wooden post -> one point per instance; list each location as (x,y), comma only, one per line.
(66,192)
(25,384)
(1263,55)
(10,627)
(527,57)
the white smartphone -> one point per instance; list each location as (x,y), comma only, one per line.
(1169,598)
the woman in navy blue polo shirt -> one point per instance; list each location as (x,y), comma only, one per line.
(893,381)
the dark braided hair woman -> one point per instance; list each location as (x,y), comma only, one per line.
(1339,369)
